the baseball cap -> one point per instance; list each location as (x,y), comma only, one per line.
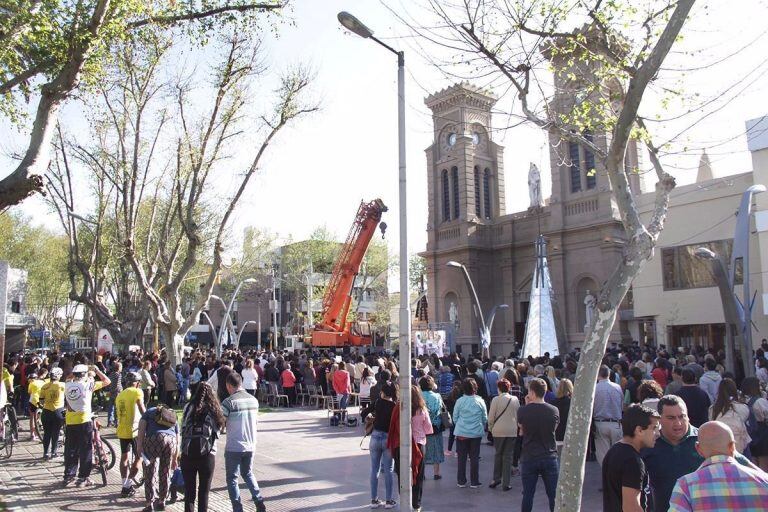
(56,373)
(80,368)
(131,377)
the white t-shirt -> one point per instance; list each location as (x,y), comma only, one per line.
(250,378)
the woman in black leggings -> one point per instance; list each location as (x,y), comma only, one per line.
(201,424)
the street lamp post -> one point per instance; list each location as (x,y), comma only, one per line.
(354,25)
(484,328)
(242,329)
(229,309)
(224,320)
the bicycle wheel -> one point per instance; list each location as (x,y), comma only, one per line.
(103,472)
(110,456)
(8,443)
(39,425)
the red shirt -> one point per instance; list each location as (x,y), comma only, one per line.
(341,382)
(289,379)
(660,376)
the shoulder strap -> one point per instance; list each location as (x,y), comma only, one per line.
(503,411)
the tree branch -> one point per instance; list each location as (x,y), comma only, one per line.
(191,16)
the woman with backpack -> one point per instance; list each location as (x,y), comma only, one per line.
(433,451)
(757,423)
(201,423)
(729,410)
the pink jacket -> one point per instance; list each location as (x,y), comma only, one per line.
(421,426)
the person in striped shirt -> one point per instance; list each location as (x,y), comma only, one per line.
(241,410)
(720,483)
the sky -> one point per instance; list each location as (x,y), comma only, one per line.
(320,168)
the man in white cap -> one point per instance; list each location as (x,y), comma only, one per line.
(78,449)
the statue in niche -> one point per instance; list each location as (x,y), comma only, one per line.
(590,303)
(453,313)
(534,187)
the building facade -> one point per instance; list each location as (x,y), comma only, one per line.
(13,295)
(676,301)
(467,223)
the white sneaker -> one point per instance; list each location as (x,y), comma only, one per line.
(390,504)
(377,503)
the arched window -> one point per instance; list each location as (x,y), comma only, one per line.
(478,204)
(455,180)
(573,153)
(589,163)
(487,192)
(446,196)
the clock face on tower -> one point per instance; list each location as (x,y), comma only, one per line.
(475,138)
(452,139)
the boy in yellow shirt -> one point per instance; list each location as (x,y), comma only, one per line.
(52,399)
(128,402)
(35,384)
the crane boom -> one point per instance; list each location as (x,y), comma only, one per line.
(333,329)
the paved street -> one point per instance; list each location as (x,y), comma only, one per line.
(302,464)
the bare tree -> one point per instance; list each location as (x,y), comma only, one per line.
(99,278)
(183,224)
(607,65)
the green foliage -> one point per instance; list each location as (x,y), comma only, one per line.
(37,37)
(44,255)
(416,269)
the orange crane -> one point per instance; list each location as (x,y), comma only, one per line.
(334,330)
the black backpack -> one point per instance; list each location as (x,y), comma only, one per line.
(198,434)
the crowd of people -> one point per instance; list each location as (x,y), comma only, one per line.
(663,422)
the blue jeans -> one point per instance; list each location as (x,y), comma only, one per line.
(183,390)
(235,462)
(111,409)
(530,470)
(381,461)
(343,400)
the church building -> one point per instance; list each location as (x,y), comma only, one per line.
(468,223)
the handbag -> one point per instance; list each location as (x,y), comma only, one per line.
(369,421)
(165,417)
(177,479)
(445,418)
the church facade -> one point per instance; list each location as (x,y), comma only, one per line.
(468,223)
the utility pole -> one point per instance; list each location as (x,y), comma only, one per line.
(274,307)
(258,313)
(309,299)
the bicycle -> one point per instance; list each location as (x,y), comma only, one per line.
(104,455)
(7,438)
(10,416)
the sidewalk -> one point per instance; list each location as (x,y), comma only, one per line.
(301,464)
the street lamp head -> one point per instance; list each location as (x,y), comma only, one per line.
(503,306)
(354,25)
(704,253)
(250,280)
(454,264)
(215,297)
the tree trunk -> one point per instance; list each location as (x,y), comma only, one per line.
(571,478)
(174,343)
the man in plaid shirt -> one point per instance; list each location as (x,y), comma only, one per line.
(720,483)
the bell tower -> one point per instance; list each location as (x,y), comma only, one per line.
(580,186)
(464,165)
